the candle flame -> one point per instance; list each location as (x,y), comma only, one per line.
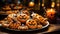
(53,4)
(50,10)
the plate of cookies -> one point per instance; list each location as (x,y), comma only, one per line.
(23,21)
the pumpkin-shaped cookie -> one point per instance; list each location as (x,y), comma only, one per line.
(23,18)
(14,25)
(34,16)
(42,20)
(32,24)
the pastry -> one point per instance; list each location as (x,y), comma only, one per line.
(23,18)
(23,28)
(32,24)
(14,24)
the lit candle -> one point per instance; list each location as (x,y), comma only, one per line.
(50,13)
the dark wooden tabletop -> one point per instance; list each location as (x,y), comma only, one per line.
(51,28)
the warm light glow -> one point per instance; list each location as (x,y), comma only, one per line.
(50,13)
(53,4)
(39,3)
(31,4)
(58,4)
(50,10)
(43,4)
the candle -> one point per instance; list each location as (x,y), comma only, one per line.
(50,13)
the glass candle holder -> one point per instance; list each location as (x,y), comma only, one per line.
(50,14)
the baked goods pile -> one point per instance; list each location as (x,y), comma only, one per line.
(8,7)
(24,21)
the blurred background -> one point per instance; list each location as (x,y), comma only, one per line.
(38,6)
